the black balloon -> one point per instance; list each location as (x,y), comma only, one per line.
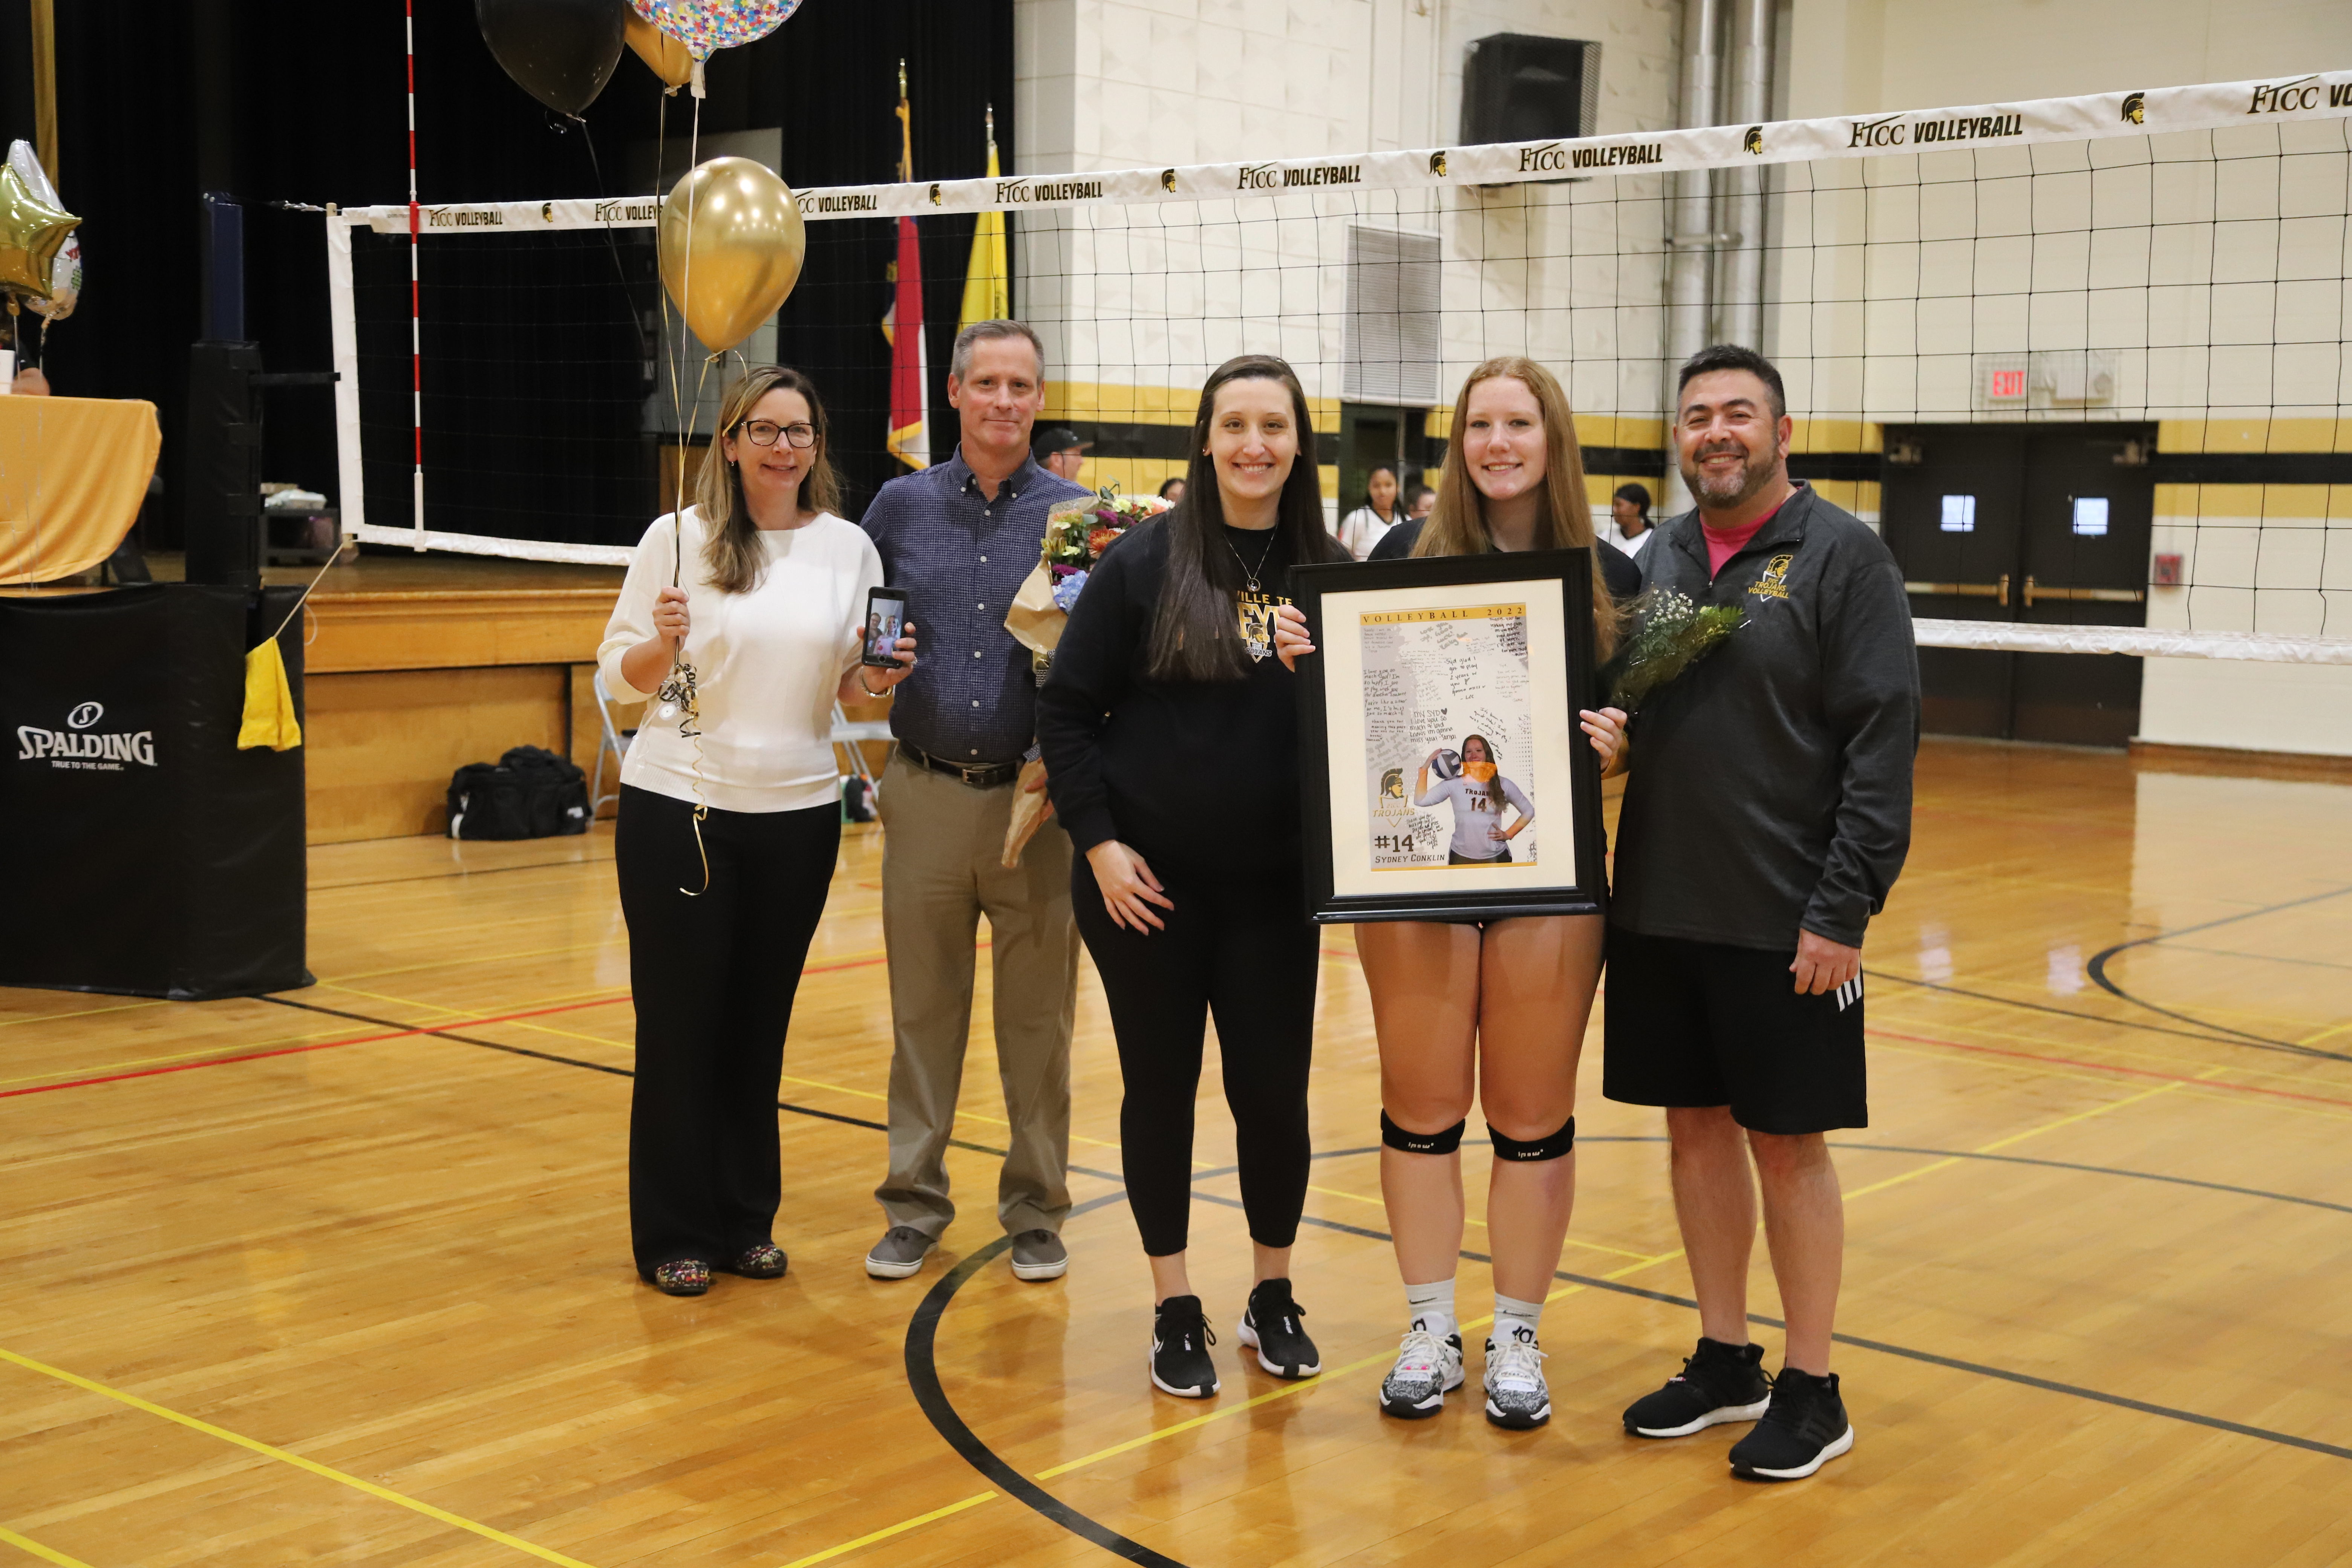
(562,52)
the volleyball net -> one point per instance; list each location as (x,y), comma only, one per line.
(2082,360)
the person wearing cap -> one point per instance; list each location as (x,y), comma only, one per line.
(1060,452)
(961,537)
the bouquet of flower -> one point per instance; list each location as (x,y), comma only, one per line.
(1077,534)
(1674,634)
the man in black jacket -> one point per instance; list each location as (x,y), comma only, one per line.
(1766,817)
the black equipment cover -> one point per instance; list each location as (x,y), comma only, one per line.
(530,793)
(147,855)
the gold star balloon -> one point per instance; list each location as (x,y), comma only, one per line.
(31,231)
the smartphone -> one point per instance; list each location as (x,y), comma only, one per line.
(886,615)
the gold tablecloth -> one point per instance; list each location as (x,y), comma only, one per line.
(72,473)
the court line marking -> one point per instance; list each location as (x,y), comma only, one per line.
(2133,1050)
(2055,1011)
(2096,968)
(284,1455)
(2104,1066)
(830,1553)
(396,1034)
(80,1013)
(46,1553)
(173,1057)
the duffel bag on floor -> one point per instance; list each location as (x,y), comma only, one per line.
(530,793)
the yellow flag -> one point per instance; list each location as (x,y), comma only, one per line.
(269,702)
(987,284)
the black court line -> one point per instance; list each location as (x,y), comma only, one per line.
(2098,970)
(2203,1032)
(922,1372)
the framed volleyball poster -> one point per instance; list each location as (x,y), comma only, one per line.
(1444,775)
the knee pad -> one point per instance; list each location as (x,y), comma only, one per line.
(1444,1142)
(1551,1147)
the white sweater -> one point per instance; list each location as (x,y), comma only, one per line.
(767,665)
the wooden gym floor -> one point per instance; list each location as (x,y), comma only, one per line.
(342,1276)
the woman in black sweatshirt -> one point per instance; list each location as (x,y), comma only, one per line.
(1171,736)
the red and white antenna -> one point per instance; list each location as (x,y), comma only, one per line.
(415,328)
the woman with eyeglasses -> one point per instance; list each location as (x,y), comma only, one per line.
(731,814)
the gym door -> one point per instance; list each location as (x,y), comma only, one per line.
(2039,525)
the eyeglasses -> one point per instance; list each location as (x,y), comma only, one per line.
(763,433)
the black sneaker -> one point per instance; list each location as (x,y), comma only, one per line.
(1719,1382)
(1180,1338)
(1804,1429)
(1270,1325)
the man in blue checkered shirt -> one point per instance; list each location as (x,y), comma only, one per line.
(959,538)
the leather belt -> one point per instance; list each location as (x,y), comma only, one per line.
(979,775)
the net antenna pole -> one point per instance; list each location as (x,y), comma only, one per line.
(416,326)
(1690,219)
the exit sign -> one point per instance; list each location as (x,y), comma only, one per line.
(2003,382)
(2007,383)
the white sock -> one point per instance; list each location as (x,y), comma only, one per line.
(1432,1307)
(1511,1316)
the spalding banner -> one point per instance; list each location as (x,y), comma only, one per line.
(148,855)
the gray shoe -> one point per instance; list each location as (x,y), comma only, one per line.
(900,1253)
(1039,1255)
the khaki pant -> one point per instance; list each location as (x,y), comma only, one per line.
(942,846)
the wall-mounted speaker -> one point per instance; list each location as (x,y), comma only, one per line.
(1516,87)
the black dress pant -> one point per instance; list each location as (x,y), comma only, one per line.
(713,979)
(1240,950)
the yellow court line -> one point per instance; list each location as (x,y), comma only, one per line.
(80,1013)
(46,1553)
(830,1553)
(395,1001)
(385,1493)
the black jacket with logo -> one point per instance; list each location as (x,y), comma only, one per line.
(1771,784)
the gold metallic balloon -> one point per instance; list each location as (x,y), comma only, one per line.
(747,243)
(31,230)
(667,58)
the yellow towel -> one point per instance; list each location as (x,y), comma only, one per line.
(269,702)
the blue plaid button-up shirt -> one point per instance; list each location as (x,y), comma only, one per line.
(961,557)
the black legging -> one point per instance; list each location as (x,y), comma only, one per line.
(1241,950)
(713,979)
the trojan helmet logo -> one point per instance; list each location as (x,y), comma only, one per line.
(935,196)
(1168,181)
(1392,785)
(1753,143)
(547,212)
(2134,109)
(1437,163)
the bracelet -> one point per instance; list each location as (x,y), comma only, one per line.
(869,690)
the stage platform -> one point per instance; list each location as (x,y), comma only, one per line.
(416,664)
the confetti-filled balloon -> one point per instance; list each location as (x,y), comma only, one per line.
(706,26)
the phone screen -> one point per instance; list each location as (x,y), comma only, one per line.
(886,613)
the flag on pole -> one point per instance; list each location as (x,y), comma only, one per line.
(987,283)
(909,439)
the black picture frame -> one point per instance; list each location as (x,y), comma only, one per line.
(1556,586)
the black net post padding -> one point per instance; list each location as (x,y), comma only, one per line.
(148,855)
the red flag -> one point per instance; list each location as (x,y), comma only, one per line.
(910,367)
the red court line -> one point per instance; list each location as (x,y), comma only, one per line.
(315,1046)
(2108,1067)
(369,1039)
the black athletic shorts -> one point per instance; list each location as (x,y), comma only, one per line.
(1703,1023)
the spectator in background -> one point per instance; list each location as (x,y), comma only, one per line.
(1060,452)
(1364,526)
(1419,501)
(1630,510)
(1173,490)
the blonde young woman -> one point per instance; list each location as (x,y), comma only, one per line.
(1495,1009)
(722,903)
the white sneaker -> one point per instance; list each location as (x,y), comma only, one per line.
(1427,1368)
(1515,1395)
